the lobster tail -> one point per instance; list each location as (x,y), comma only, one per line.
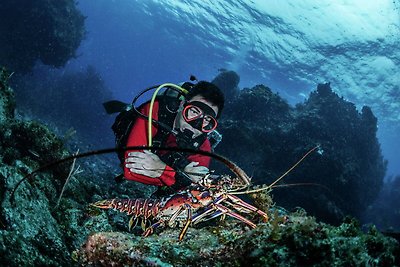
(137,207)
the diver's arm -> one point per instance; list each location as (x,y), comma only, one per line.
(162,175)
(202,159)
(199,164)
(138,137)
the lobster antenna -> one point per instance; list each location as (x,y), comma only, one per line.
(71,173)
(232,166)
(279,178)
(296,184)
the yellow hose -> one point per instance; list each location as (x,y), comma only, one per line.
(150,123)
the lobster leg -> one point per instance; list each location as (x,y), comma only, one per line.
(220,210)
(188,221)
(133,222)
(175,215)
(170,222)
(216,214)
(188,208)
(151,228)
(201,215)
(241,205)
(206,212)
(225,210)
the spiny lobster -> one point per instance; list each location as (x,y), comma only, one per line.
(193,205)
(197,203)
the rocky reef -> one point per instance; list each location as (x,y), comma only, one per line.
(39,227)
(34,230)
(49,31)
(228,82)
(300,241)
(270,136)
(29,233)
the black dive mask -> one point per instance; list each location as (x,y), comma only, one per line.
(200,116)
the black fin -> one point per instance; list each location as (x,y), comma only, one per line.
(115,106)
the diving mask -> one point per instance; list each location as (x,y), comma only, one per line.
(200,116)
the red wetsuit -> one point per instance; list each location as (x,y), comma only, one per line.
(139,137)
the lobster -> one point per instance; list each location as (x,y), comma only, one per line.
(195,204)
(214,196)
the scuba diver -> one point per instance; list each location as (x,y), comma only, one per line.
(186,122)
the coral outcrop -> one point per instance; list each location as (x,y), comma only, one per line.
(29,234)
(351,164)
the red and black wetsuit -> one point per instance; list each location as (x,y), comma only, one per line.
(139,137)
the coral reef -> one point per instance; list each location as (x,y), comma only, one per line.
(49,31)
(351,165)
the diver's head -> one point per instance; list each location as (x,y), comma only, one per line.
(210,93)
(199,112)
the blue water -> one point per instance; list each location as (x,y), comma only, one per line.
(136,44)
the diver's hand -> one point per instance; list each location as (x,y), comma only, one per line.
(145,163)
(192,170)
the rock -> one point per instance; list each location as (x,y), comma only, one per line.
(300,241)
(39,30)
(228,82)
(269,136)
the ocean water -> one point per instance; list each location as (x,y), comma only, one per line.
(290,47)
(129,45)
